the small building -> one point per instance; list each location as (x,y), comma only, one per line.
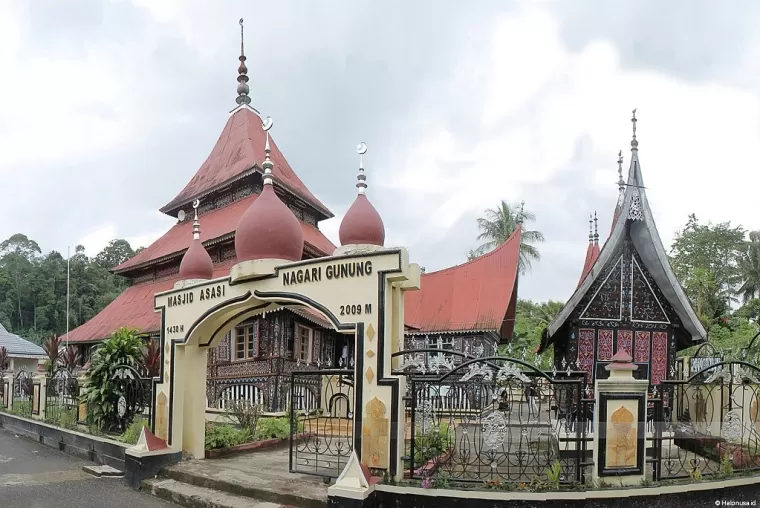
(628,297)
(22,354)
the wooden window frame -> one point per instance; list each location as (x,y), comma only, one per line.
(299,346)
(250,343)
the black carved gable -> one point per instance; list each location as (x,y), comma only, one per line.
(645,304)
(605,302)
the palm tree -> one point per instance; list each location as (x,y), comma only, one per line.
(497,226)
(749,268)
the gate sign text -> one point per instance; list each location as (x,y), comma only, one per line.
(332,271)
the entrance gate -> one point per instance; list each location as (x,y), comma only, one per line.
(321,421)
(360,292)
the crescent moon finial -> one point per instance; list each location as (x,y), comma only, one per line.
(196,204)
(267,123)
(361,148)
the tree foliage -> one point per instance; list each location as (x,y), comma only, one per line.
(102,390)
(498,225)
(33,286)
(530,320)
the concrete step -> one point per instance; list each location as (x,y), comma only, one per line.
(281,492)
(192,496)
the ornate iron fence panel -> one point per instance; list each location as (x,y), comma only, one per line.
(23,393)
(494,419)
(134,398)
(715,428)
(321,406)
(62,399)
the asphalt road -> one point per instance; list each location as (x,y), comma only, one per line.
(36,476)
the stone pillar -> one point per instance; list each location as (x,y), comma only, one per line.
(82,408)
(620,424)
(189,425)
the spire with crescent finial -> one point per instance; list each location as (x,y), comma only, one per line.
(361,178)
(634,142)
(521,214)
(242,89)
(196,263)
(196,222)
(590,228)
(267,165)
(596,230)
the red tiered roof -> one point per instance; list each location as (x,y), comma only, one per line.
(478,295)
(239,148)
(216,224)
(134,309)
(592,254)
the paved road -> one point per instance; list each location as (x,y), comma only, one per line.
(36,476)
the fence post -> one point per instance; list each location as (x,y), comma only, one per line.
(82,406)
(8,391)
(39,393)
(620,424)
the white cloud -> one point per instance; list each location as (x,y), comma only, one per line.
(538,98)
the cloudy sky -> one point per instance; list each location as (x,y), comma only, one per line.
(108,107)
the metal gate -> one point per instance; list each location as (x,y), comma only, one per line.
(321,408)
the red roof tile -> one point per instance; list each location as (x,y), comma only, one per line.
(215,224)
(133,308)
(477,295)
(592,254)
(239,148)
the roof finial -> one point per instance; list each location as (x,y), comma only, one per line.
(242,89)
(196,222)
(267,165)
(596,229)
(361,182)
(634,142)
(521,214)
(590,228)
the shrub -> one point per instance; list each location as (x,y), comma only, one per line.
(224,436)
(101,390)
(245,413)
(132,434)
(273,428)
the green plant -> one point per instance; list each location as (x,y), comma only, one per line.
(101,390)
(275,428)
(245,413)
(132,434)
(553,474)
(646,481)
(224,436)
(695,474)
(442,481)
(726,467)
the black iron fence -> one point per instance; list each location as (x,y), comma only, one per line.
(321,406)
(23,393)
(62,399)
(496,420)
(713,427)
(133,398)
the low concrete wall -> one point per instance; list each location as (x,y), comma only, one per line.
(734,492)
(95,449)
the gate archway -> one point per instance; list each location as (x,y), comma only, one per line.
(359,294)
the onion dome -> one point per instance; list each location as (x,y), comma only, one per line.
(196,263)
(362,225)
(268,229)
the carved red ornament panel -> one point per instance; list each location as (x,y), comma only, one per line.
(586,350)
(659,357)
(625,341)
(642,349)
(604,346)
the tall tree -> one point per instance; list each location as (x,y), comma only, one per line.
(749,268)
(497,226)
(705,258)
(115,253)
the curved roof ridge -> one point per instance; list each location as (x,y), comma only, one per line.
(516,234)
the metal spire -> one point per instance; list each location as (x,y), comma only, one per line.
(521,216)
(634,142)
(196,222)
(361,178)
(267,165)
(242,89)
(590,228)
(596,229)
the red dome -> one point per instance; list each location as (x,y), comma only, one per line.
(196,263)
(268,230)
(362,224)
